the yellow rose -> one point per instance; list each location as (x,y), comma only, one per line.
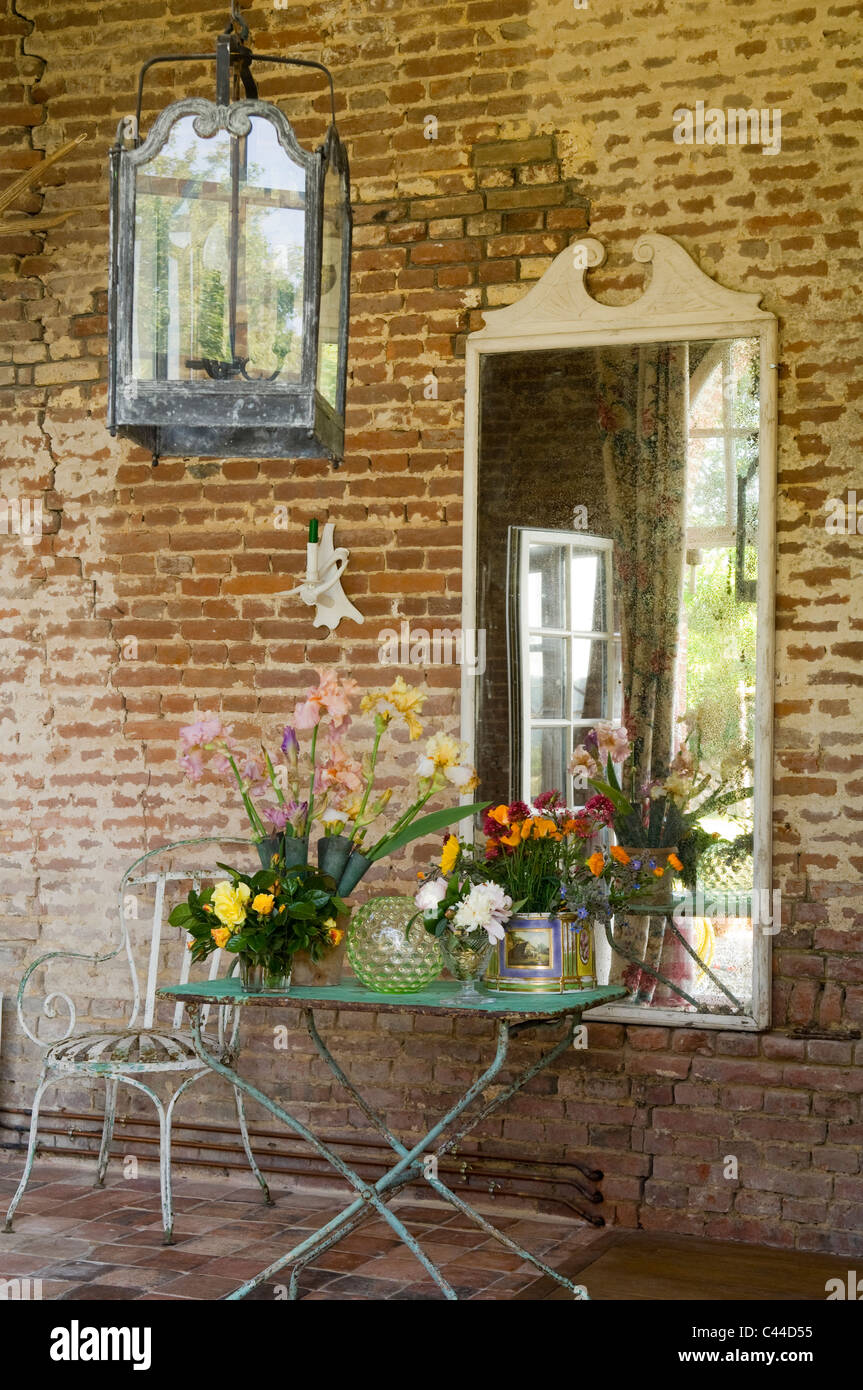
(229,903)
(450,855)
(221,935)
(263,903)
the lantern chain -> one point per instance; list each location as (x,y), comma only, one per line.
(237,22)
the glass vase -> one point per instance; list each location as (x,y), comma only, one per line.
(384,954)
(466,955)
(259,978)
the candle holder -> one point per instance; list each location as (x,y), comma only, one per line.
(322,587)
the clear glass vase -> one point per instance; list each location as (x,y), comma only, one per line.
(263,979)
(384,954)
(466,955)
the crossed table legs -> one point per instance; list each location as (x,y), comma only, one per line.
(410,1162)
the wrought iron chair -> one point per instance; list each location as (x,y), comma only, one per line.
(121,1057)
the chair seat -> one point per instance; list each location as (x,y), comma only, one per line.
(146,1049)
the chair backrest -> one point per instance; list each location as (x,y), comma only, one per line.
(163,885)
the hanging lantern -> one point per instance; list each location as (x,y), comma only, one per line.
(230,273)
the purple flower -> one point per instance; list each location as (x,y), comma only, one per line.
(591,743)
(290,742)
(286,813)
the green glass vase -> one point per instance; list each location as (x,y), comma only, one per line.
(385,955)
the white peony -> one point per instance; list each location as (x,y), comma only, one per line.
(487,906)
(430,895)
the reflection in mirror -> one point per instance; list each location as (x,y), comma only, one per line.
(617,507)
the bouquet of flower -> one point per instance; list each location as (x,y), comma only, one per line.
(533,851)
(458,904)
(326,785)
(264,917)
(659,813)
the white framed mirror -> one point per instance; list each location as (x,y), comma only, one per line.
(619,556)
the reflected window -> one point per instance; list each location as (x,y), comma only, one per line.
(567,654)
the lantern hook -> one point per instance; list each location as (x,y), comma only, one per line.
(237,22)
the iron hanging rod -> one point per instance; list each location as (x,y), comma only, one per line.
(213,57)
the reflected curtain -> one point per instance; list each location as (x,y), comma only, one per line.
(643,405)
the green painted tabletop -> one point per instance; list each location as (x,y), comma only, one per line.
(441,997)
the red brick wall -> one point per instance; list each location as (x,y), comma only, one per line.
(544,112)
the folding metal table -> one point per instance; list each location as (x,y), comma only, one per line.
(513,1013)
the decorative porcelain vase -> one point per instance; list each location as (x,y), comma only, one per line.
(259,978)
(466,955)
(326,972)
(386,956)
(543,954)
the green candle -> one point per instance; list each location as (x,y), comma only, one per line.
(313,531)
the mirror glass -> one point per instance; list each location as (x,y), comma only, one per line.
(617,564)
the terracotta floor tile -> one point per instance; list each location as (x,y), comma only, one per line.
(91,1243)
(490,1260)
(198,1285)
(362,1285)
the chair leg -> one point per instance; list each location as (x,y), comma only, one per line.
(44,1080)
(164,1153)
(107,1131)
(244,1131)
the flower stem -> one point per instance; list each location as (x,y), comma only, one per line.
(371,777)
(400,824)
(254,819)
(311,797)
(280,795)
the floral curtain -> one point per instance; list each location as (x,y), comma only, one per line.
(643,405)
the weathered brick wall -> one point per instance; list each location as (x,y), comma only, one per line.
(543,113)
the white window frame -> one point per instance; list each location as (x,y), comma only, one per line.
(569,540)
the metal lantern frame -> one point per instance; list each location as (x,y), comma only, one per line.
(235,415)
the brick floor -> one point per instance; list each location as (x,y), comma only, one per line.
(87,1243)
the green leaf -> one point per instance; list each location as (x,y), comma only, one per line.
(427,825)
(615,796)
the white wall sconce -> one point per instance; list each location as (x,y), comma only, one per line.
(322,586)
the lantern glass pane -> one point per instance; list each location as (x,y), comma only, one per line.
(219,258)
(334,214)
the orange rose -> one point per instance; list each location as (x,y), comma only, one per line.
(221,935)
(596,863)
(619,854)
